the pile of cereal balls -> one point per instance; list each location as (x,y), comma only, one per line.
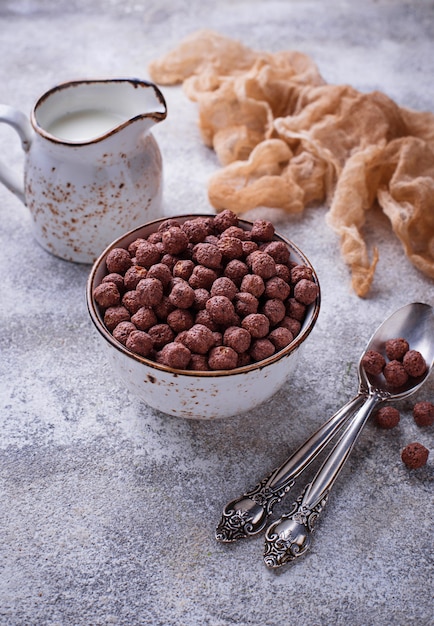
(205,294)
(402,365)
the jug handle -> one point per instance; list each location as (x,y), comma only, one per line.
(20,123)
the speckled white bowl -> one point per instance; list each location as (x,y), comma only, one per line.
(197,395)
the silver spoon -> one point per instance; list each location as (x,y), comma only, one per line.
(290,536)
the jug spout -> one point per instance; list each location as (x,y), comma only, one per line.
(88,111)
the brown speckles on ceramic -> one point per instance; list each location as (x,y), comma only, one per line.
(84,193)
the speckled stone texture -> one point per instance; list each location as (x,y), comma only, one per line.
(108,508)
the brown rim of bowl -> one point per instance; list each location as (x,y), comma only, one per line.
(130,236)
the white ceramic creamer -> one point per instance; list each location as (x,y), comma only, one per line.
(92,169)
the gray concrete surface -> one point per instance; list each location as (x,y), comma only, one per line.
(107,507)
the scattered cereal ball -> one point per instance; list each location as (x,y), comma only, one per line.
(306,291)
(181,295)
(150,291)
(133,276)
(387,417)
(396,348)
(415,455)
(222,358)
(118,260)
(221,310)
(373,362)
(147,254)
(395,374)
(254,284)
(139,342)
(280,337)
(224,220)
(114,315)
(117,279)
(208,255)
(199,339)
(423,413)
(123,330)
(414,363)
(257,324)
(224,286)
(174,240)
(107,294)
(160,335)
(262,230)
(174,355)
(144,318)
(237,338)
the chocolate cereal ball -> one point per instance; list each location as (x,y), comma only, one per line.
(262,264)
(118,260)
(279,251)
(183,268)
(161,272)
(262,349)
(230,248)
(262,230)
(181,295)
(208,255)
(139,342)
(295,309)
(414,363)
(254,284)
(423,413)
(277,288)
(395,374)
(236,270)
(133,276)
(373,362)
(123,330)
(237,338)
(257,324)
(300,272)
(387,417)
(415,455)
(274,309)
(245,303)
(306,291)
(180,319)
(160,335)
(144,318)
(114,315)
(221,310)
(117,279)
(174,240)
(225,220)
(131,301)
(106,295)
(150,291)
(199,339)
(147,254)
(174,355)
(396,348)
(280,337)
(196,230)
(222,358)
(202,277)
(224,286)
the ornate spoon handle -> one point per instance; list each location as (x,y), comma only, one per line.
(290,536)
(248,515)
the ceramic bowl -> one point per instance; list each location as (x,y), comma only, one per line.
(190,394)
